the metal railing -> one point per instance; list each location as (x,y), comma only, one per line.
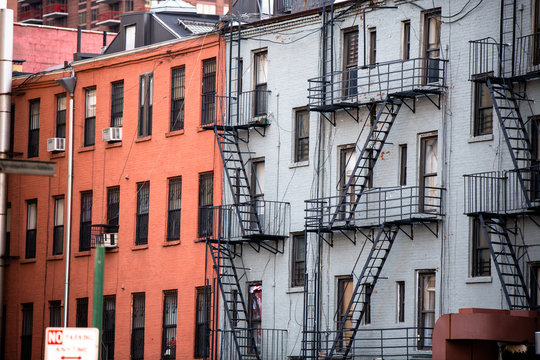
(29,14)
(97,232)
(271,343)
(283,5)
(527,54)
(109,15)
(485,58)
(501,192)
(363,85)
(272,220)
(377,206)
(56,7)
(248,108)
(386,343)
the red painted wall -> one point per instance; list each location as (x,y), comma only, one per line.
(152,268)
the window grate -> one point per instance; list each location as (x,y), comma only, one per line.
(117,104)
(143,198)
(177,99)
(86,221)
(175,205)
(61,116)
(33,132)
(208,111)
(113,205)
(137,327)
(168,348)
(108,330)
(146,88)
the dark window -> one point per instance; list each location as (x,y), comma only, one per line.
(345,291)
(109,318)
(255,313)
(400,301)
(406,40)
(117,103)
(86,221)
(534,285)
(298,260)
(257,179)
(8,230)
(31,225)
(426,308)
(81,317)
(432,44)
(202,319)
(27,328)
(168,347)
(33,132)
(143,199)
(90,117)
(535,163)
(177,98)
(261,78)
(206,200)
(61,116)
(208,110)
(240,76)
(483,110)
(403,164)
(11,131)
(347,162)
(368,290)
(113,205)
(58,232)
(146,89)
(372,46)
(481,254)
(82,19)
(350,62)
(55,313)
(94,14)
(301,136)
(137,327)
(175,206)
(428,173)
(128,5)
(536,37)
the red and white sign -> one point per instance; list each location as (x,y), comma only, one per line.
(71,343)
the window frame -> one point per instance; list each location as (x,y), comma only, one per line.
(260,82)
(178,94)
(482,112)
(117,103)
(81,312)
(108,327)
(174,208)
(138,309)
(146,102)
(202,322)
(403,164)
(479,265)
(342,285)
(55,313)
(61,115)
(372,59)
(169,324)
(423,175)
(297,265)
(26,330)
(85,229)
(90,108)
(423,313)
(400,301)
(33,127)
(31,229)
(206,202)
(254,319)
(208,91)
(143,213)
(58,226)
(301,143)
(350,61)
(113,205)
(406,39)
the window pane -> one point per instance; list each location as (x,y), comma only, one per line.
(117,104)
(137,327)
(261,66)
(113,205)
(59,211)
(169,325)
(177,99)
(90,103)
(108,330)
(31,221)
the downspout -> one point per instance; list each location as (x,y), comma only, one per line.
(6,68)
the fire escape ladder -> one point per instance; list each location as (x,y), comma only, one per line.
(356,309)
(235,170)
(507,36)
(232,299)
(514,130)
(310,334)
(361,173)
(506,263)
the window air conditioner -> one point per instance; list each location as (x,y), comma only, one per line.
(110,240)
(56,144)
(112,134)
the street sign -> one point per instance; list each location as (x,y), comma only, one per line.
(27,167)
(71,343)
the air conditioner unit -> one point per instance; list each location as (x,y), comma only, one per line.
(112,134)
(110,240)
(56,144)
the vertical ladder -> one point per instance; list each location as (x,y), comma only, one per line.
(363,289)
(507,37)
(327,51)
(234,305)
(233,101)
(506,263)
(357,182)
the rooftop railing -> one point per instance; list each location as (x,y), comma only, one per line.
(109,15)
(55,7)
(271,344)
(29,14)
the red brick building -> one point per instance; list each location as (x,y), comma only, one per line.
(145,182)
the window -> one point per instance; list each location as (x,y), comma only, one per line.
(175,206)
(58,232)
(82,19)
(206,201)
(61,116)
(240,76)
(177,98)
(117,103)
(94,14)
(55,313)
(403,164)
(372,46)
(298,260)
(406,40)
(86,221)
(301,136)
(81,317)
(137,327)
(113,205)
(426,308)
(8,229)
(255,313)
(432,44)
(109,318)
(31,225)
(129,32)
(208,92)
(533,281)
(145,104)
(168,347)
(428,173)
(128,5)
(143,200)
(202,320)
(535,163)
(33,132)
(257,179)
(483,110)
(90,117)
(350,62)
(261,78)
(344,293)
(481,254)
(400,287)
(368,291)
(347,162)
(27,328)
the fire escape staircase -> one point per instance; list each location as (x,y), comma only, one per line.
(361,173)
(363,289)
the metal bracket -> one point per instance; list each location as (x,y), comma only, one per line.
(435,231)
(329,241)
(355,118)
(413,107)
(333,122)
(438,103)
(409,235)
(353,239)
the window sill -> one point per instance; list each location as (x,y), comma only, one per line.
(298,164)
(82,253)
(174,133)
(111,145)
(295,290)
(87,148)
(143,139)
(478,280)
(27,261)
(58,155)
(139,247)
(480,138)
(55,257)
(171,243)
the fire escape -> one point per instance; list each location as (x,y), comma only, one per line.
(247,221)
(378,214)
(497,199)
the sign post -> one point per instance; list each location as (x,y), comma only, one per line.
(71,343)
